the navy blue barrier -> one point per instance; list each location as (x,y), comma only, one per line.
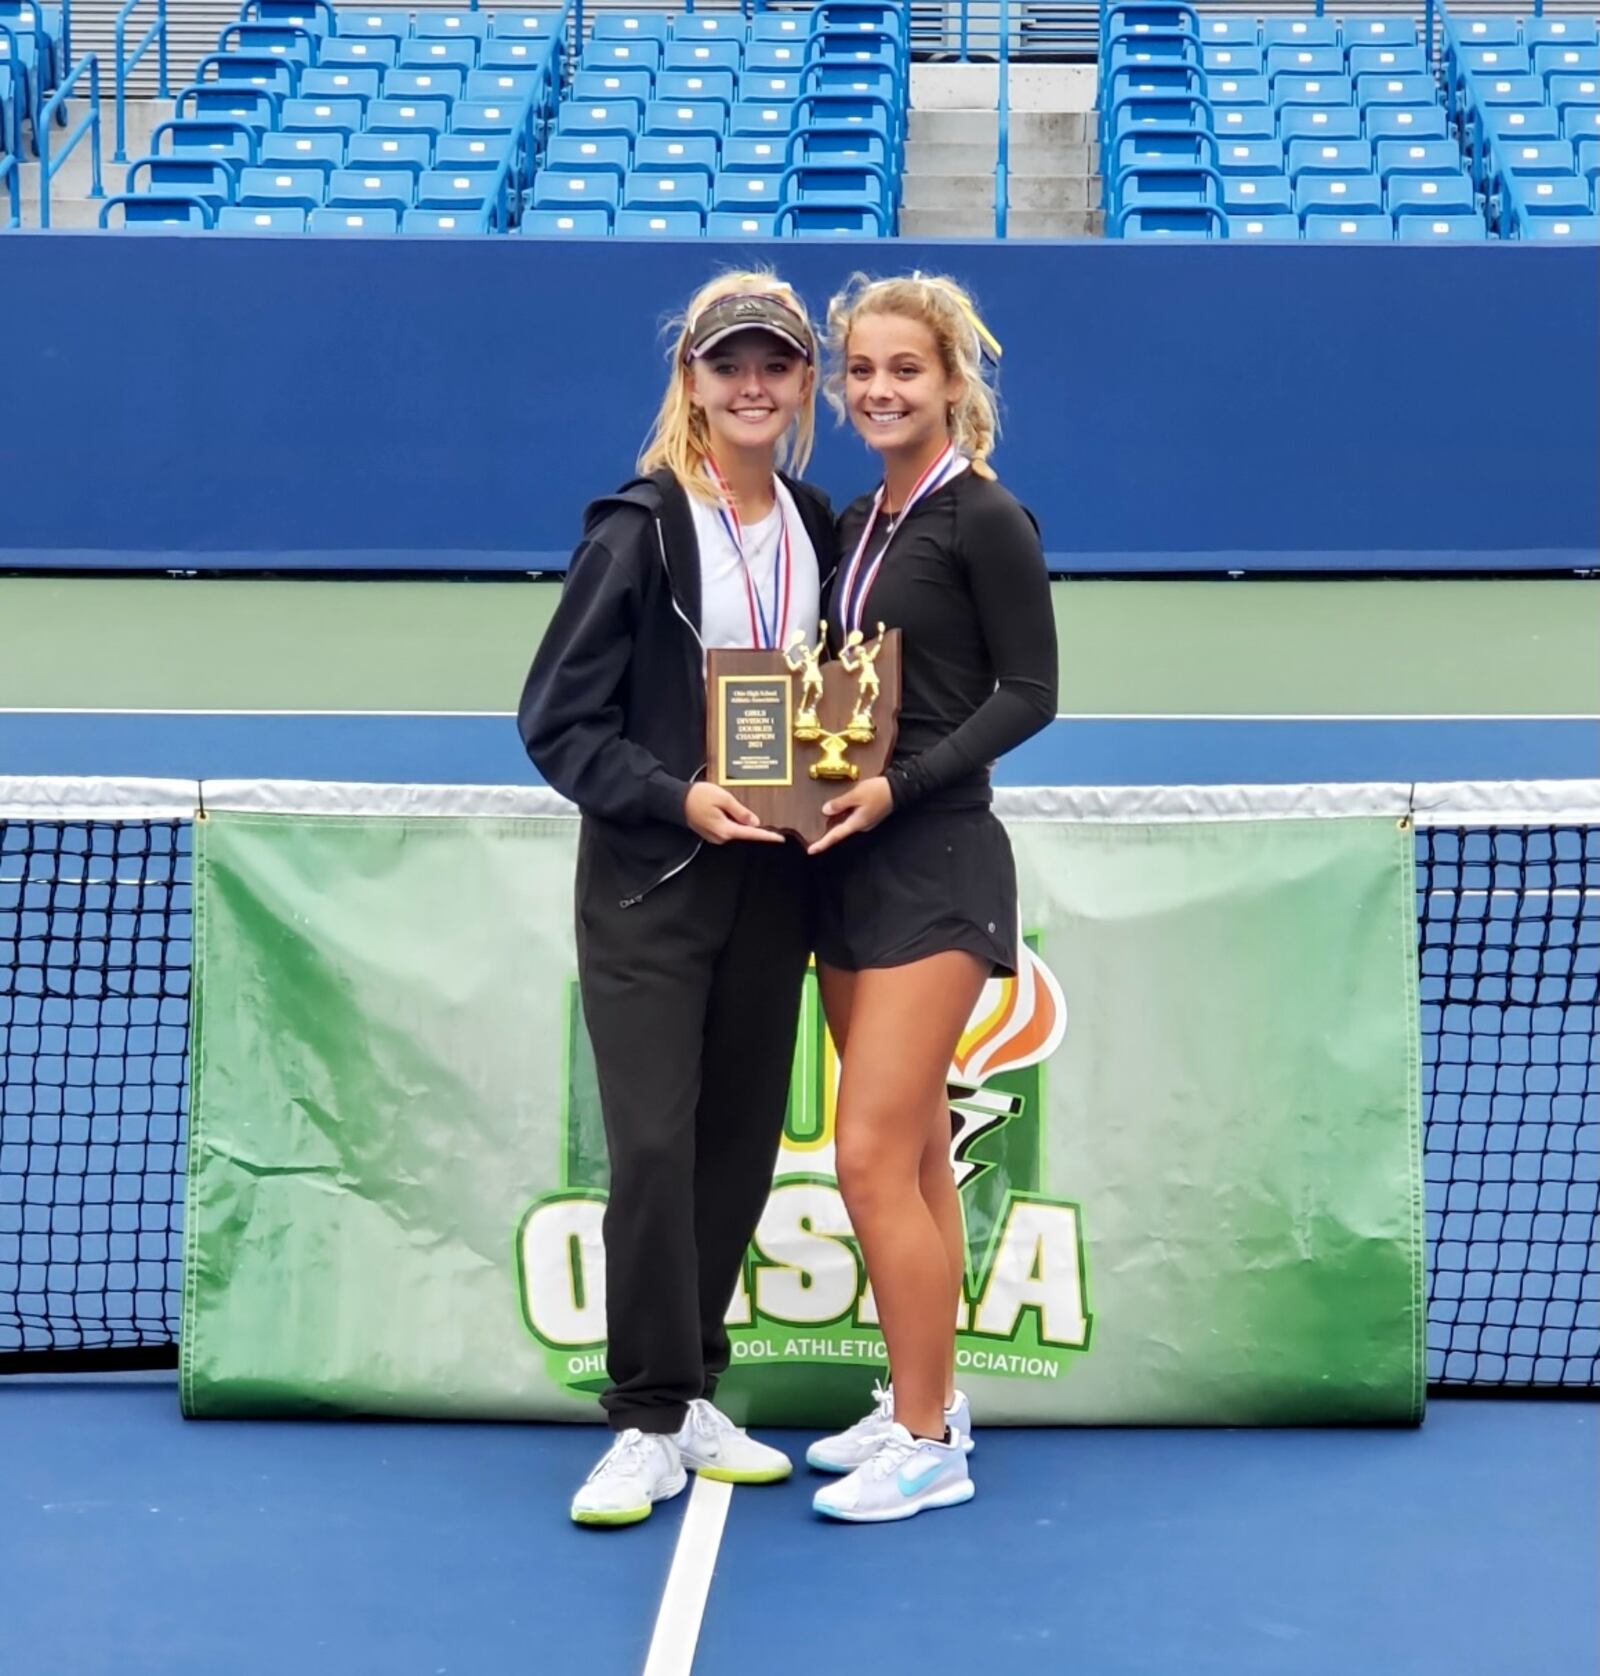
(236,403)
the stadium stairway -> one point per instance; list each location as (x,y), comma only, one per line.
(951,142)
(70,203)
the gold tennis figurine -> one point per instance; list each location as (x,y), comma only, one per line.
(804,661)
(858,655)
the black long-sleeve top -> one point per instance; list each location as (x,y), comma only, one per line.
(964,581)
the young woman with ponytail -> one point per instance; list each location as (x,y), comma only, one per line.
(917,895)
(691,918)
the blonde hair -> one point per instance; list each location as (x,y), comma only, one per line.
(959,335)
(678,438)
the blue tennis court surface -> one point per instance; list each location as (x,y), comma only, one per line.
(135,1543)
(474,749)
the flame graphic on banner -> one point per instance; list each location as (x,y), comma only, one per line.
(1017,1022)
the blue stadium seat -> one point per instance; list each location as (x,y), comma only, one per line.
(741,154)
(615,116)
(573,223)
(670,152)
(253,106)
(1484,31)
(235,140)
(1330,157)
(189,175)
(1233,61)
(581,153)
(1417,157)
(1257,195)
(760,87)
(1359,228)
(144,212)
(236,219)
(271,75)
(455,189)
(323,152)
(1433,194)
(1345,195)
(670,224)
(408,82)
(780,26)
(1477,60)
(709,26)
(686,117)
(752,120)
(1574,93)
(409,116)
(1564,196)
(559,189)
(1404,122)
(1250,157)
(440,54)
(724,224)
(526,26)
(429,220)
(323,116)
(1580,228)
(651,189)
(355,223)
(451,26)
(1318,91)
(1507,123)
(1240,31)
(285,188)
(636,85)
(506,52)
(1560,31)
(703,55)
(1551,61)
(746,193)
(287,43)
(631,26)
(1321,122)
(342,81)
(1586,160)
(601,54)
(778,58)
(1238,90)
(1167,47)
(516,87)
(1395,90)
(1245,122)
(364,21)
(1263,227)
(1457,228)
(379,51)
(1201,221)
(1579,123)
(411,152)
(1299,32)
(1385,30)
(486,116)
(695,85)
(362,189)
(1387,61)
(1305,61)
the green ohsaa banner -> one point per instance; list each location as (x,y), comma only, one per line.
(1186,1135)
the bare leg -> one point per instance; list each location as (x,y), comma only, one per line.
(937,1183)
(900,1026)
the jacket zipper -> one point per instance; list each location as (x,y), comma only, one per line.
(672,594)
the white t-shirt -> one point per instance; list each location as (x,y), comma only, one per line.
(724,600)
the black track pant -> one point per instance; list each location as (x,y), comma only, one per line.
(691,998)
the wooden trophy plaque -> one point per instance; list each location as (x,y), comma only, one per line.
(785,732)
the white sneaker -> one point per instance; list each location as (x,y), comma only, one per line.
(638,1470)
(847,1450)
(905,1475)
(709,1442)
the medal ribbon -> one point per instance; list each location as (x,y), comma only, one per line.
(763,633)
(854,589)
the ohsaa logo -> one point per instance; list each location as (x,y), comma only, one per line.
(803,1295)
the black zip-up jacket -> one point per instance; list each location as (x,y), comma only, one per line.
(613,712)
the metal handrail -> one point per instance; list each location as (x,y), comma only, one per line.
(8,173)
(28,84)
(157,32)
(1117,228)
(1002,155)
(89,124)
(123,199)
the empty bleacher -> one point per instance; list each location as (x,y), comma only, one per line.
(311,118)
(1343,127)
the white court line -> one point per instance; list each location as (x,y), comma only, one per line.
(683,1602)
(1061,715)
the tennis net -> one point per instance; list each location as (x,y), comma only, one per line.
(95,934)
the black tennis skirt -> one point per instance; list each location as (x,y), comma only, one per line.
(923,881)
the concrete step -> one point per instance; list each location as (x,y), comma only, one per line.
(1033,87)
(1052,224)
(1025,192)
(70,184)
(934,158)
(982,128)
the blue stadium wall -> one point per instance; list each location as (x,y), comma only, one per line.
(419,404)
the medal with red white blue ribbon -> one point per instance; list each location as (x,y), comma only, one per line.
(857,584)
(764,631)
